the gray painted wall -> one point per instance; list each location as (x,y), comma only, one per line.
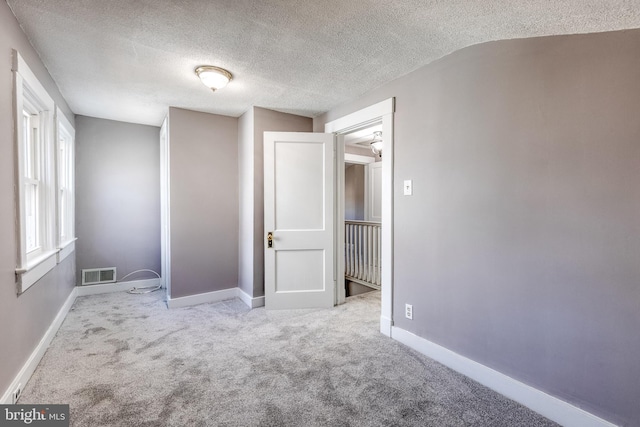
(204,202)
(520,246)
(118,196)
(26,318)
(354,192)
(251,128)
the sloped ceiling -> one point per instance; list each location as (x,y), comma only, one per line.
(130,60)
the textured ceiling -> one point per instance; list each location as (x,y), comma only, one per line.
(129,60)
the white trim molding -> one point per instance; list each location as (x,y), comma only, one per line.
(361,118)
(215,296)
(34,359)
(36,270)
(165,204)
(250,301)
(549,406)
(66,250)
(357,159)
(32,102)
(386,325)
(380,113)
(108,288)
(65,182)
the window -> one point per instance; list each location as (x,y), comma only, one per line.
(33,184)
(66,185)
(35,167)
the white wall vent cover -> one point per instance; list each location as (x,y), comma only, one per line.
(94,276)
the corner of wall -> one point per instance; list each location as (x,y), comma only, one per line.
(245,201)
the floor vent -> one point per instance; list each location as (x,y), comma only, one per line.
(94,276)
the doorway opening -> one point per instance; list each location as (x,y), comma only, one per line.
(379,116)
(362,211)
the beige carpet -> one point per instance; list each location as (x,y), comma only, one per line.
(126,360)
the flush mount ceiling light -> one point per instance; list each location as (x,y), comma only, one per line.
(376,143)
(213,77)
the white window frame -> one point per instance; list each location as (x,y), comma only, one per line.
(30,94)
(65,185)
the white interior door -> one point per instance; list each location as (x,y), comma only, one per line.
(373,192)
(299,212)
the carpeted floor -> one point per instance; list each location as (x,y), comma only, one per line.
(125,360)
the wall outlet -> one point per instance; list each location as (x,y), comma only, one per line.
(16,394)
(408,311)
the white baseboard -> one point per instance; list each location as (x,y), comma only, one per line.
(115,287)
(385,326)
(215,296)
(249,300)
(551,407)
(32,362)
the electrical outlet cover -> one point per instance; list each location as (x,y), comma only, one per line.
(16,394)
(408,311)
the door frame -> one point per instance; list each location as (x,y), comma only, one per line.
(380,113)
(165,209)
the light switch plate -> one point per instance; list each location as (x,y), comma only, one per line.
(408,187)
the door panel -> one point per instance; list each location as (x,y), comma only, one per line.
(299,211)
(296,184)
(373,192)
(301,270)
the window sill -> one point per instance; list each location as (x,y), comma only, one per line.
(66,249)
(36,269)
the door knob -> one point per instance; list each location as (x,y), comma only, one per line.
(270,239)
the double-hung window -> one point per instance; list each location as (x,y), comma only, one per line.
(33,179)
(35,173)
(66,185)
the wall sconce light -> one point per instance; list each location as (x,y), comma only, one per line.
(376,143)
(213,77)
